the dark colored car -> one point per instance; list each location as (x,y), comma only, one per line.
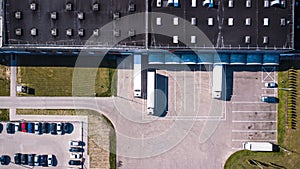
(24,159)
(10,128)
(31,159)
(45,127)
(17,158)
(269,99)
(30,127)
(5,160)
(67,128)
(24,127)
(53,128)
(44,160)
(76,149)
(75,162)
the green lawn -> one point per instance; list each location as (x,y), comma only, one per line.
(4,80)
(101,135)
(287,138)
(65,80)
(4,115)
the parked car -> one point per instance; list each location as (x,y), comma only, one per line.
(53,128)
(5,160)
(17,127)
(45,128)
(50,160)
(31,159)
(37,128)
(59,128)
(75,155)
(24,127)
(270,84)
(30,127)
(17,158)
(75,162)
(10,128)
(76,143)
(67,127)
(76,149)
(269,99)
(24,159)
(36,160)
(43,160)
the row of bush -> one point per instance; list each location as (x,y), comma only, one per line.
(292,99)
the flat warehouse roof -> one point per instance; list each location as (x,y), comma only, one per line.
(69,22)
(228,24)
(206,24)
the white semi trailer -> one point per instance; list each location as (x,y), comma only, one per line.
(137,82)
(217,83)
(258,146)
(151,81)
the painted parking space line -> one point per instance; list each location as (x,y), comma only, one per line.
(247,102)
(246,111)
(256,131)
(244,140)
(253,121)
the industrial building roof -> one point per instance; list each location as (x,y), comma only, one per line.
(199,24)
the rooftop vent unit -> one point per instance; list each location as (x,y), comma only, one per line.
(53,15)
(33,6)
(33,32)
(247,39)
(80,15)
(96,32)
(116,15)
(18,15)
(81,32)
(69,6)
(18,31)
(131,32)
(131,7)
(265,40)
(208,3)
(54,32)
(69,32)
(96,7)
(117,32)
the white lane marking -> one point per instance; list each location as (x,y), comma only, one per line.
(244,140)
(244,102)
(258,131)
(252,121)
(246,111)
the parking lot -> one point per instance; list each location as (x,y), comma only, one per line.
(252,119)
(30,143)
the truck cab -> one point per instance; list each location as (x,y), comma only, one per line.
(137,93)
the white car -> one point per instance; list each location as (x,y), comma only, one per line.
(270,84)
(36,160)
(74,155)
(17,127)
(37,128)
(76,143)
(59,127)
(50,160)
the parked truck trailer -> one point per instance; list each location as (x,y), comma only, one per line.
(258,146)
(137,69)
(151,83)
(217,83)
